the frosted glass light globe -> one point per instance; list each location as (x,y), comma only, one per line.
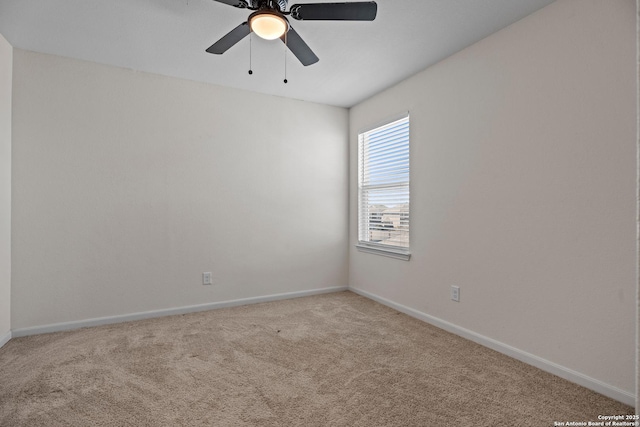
(268,26)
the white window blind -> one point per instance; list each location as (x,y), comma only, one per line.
(383,186)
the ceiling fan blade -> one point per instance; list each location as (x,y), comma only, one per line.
(299,48)
(357,11)
(237,3)
(232,37)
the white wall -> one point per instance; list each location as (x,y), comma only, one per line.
(6,66)
(127,186)
(523,174)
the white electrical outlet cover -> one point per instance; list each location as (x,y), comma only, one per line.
(206,278)
(455,293)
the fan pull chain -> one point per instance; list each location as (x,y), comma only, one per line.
(285,57)
(250,38)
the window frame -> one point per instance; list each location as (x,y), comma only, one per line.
(398,252)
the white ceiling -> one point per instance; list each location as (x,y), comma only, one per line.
(169,37)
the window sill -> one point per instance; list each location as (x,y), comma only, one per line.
(388,252)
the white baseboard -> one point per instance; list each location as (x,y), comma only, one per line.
(553,368)
(5,339)
(66,326)
(531,359)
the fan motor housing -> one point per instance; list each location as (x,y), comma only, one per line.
(280,5)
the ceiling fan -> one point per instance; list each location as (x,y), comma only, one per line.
(269,21)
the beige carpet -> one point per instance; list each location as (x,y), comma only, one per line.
(329,360)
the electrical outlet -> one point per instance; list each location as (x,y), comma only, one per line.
(206,278)
(455,293)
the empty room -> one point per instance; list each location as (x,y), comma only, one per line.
(308,213)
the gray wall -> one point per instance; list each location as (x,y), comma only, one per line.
(638,210)
(128,186)
(6,66)
(523,171)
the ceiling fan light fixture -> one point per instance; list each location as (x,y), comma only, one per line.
(268,26)
(271,21)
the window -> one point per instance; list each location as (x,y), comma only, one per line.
(383,189)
